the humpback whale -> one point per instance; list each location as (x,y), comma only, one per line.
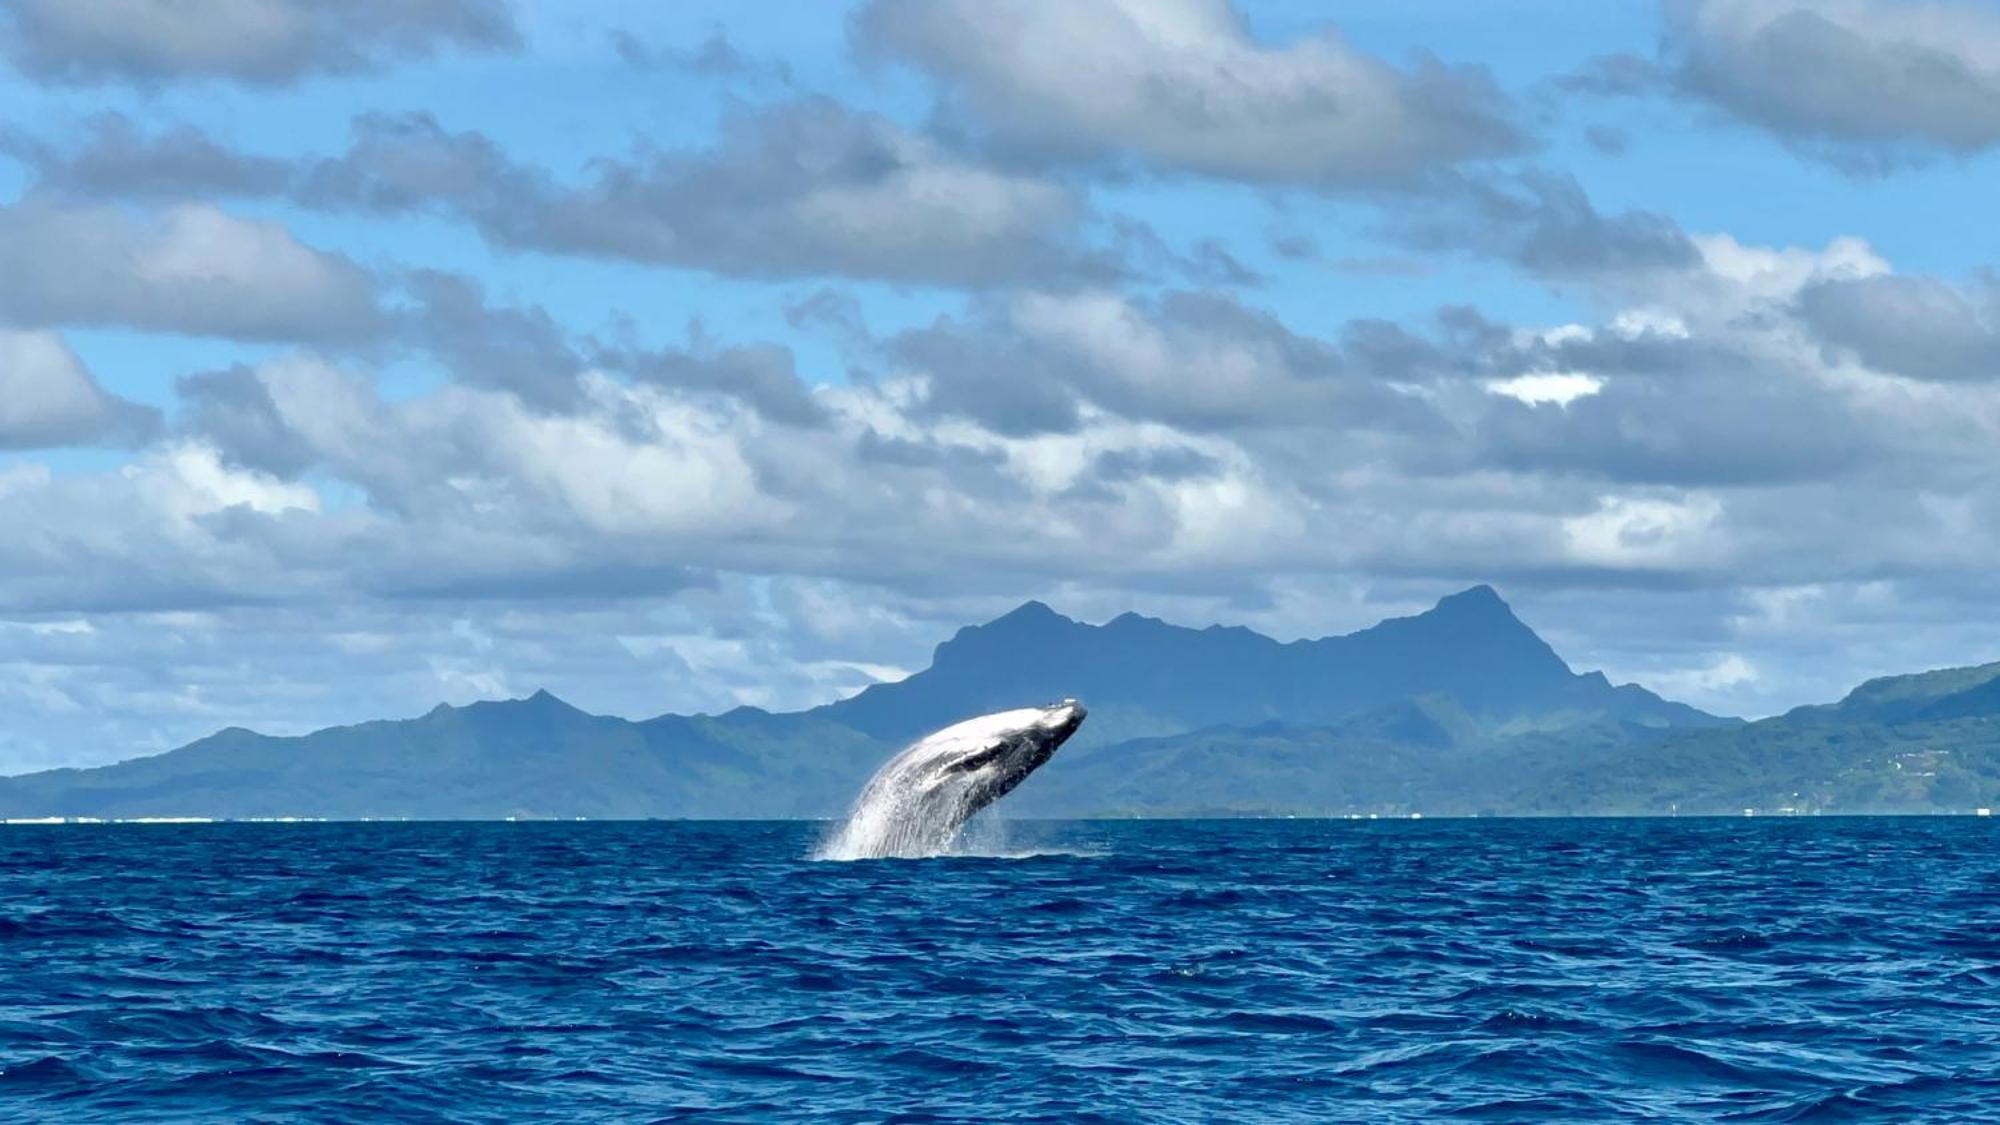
(915,804)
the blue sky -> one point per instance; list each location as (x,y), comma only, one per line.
(356,357)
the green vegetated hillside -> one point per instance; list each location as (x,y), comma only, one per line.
(1904,744)
(533,757)
(1462,710)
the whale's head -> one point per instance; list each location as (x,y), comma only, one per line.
(990,755)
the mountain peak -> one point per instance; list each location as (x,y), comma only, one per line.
(1480,612)
(546,700)
(1029,619)
(1481,601)
(542,702)
(1029,611)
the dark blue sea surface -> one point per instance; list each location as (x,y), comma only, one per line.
(1193,971)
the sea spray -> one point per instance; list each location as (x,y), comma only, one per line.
(916,804)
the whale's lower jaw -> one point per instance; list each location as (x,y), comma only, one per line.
(917,803)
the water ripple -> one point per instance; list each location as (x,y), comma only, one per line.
(1196,971)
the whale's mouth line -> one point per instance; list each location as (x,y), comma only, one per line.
(915,805)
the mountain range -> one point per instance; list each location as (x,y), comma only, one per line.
(1461,710)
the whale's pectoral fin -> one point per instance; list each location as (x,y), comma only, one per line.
(978,761)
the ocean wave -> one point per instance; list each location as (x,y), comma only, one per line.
(1196,971)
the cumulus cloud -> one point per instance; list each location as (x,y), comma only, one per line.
(1676,390)
(523,349)
(111,157)
(1703,428)
(87,689)
(1922,327)
(47,398)
(1558,388)
(1629,532)
(1543,222)
(715,57)
(1670,486)
(1867,83)
(1187,439)
(1182,86)
(630,462)
(1190,454)
(1199,362)
(806,187)
(646,486)
(189,268)
(1686,379)
(520,348)
(254,42)
(171,528)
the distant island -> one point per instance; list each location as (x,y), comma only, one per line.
(1459,711)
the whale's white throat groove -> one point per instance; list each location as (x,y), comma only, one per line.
(915,805)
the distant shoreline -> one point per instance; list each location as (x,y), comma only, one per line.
(1342,818)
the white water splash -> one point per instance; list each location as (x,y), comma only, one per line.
(916,805)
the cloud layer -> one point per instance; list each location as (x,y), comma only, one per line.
(1866,83)
(256,42)
(1180,85)
(189,268)
(1183,307)
(48,399)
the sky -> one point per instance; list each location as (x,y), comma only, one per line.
(360,356)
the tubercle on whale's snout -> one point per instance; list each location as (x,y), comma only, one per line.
(1067,716)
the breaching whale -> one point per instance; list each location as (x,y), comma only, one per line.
(915,805)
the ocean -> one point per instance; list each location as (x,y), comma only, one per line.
(1753,970)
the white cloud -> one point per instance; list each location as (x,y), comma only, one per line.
(1183,85)
(187,480)
(646,545)
(48,398)
(1640,533)
(1727,671)
(1557,388)
(73,627)
(801,188)
(189,269)
(1772,273)
(260,42)
(1868,83)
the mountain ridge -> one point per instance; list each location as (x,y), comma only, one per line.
(1469,645)
(1460,710)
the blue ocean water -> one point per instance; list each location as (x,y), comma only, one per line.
(1177,971)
